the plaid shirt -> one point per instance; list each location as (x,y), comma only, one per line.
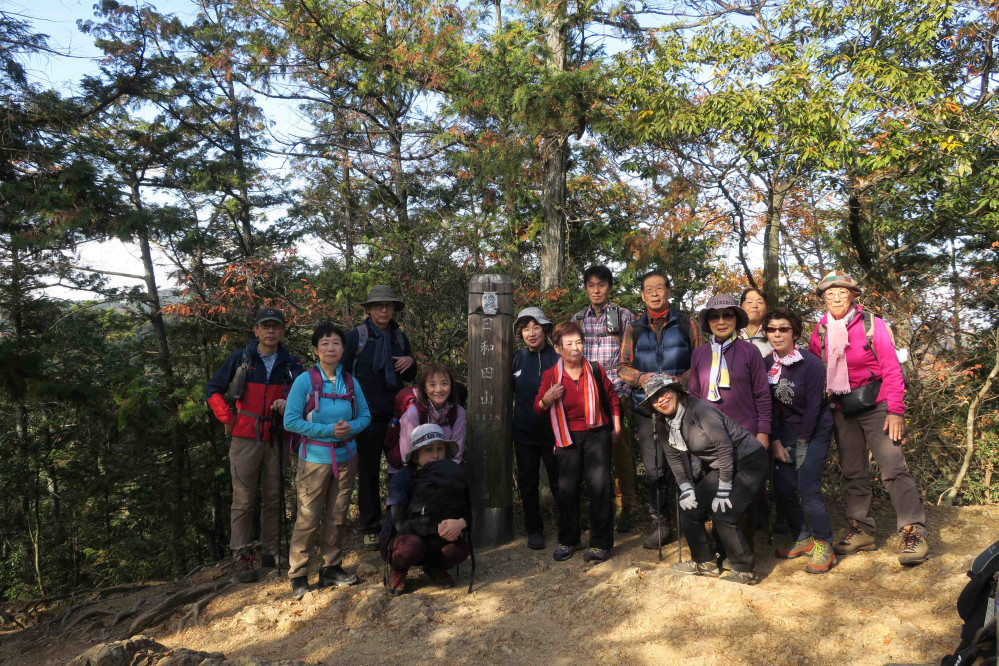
(604,347)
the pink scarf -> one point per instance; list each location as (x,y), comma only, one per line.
(837,340)
(591,405)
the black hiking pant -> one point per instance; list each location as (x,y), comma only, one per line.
(529,459)
(750,473)
(588,458)
(370,445)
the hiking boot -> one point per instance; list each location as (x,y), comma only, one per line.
(299,586)
(823,558)
(440,576)
(687,568)
(330,576)
(370,542)
(246,571)
(271,561)
(651,540)
(742,577)
(855,539)
(622,521)
(799,549)
(536,541)
(690,568)
(563,552)
(397,585)
(913,549)
(596,555)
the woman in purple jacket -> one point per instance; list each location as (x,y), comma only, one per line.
(729,372)
(802,431)
(865,383)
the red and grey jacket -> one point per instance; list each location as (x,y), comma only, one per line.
(253,411)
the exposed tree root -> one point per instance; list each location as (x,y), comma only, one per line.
(92,613)
(194,611)
(177,600)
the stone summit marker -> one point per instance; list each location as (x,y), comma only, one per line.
(489,448)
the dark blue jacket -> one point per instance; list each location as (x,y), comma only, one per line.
(380,396)
(259,393)
(528,426)
(800,407)
(669,353)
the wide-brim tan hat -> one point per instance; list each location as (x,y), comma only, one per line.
(382,293)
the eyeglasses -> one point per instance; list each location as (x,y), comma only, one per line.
(715,316)
(381,306)
(780,329)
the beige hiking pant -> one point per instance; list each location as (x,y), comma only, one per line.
(249,461)
(318,494)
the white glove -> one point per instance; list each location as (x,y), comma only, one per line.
(721,502)
(688,501)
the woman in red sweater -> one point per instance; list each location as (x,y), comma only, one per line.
(583,408)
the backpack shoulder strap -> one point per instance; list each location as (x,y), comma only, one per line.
(400,339)
(869,319)
(348,381)
(822,341)
(316,380)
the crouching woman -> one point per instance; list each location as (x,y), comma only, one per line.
(327,408)
(429,508)
(736,466)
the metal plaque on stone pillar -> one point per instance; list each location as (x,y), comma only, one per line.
(488,437)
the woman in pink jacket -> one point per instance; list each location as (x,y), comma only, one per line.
(867,392)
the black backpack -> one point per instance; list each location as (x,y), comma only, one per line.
(974,604)
(440,492)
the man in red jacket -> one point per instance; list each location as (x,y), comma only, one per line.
(258,377)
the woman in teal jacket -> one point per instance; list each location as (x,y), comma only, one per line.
(327,408)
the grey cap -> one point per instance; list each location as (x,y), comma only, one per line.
(723,302)
(382,293)
(655,387)
(531,313)
(426,434)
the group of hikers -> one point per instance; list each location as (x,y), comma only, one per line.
(719,402)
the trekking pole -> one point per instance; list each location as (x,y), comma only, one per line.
(679,529)
(771,505)
(659,517)
(277,438)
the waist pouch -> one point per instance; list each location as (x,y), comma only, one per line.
(859,399)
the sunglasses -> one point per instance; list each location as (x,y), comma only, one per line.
(715,316)
(780,329)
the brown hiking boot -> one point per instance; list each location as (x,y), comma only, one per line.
(246,571)
(855,539)
(799,549)
(398,583)
(913,549)
(823,558)
(440,576)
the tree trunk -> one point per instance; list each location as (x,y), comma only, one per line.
(776,192)
(555,164)
(177,444)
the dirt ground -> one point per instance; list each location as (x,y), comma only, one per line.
(528,609)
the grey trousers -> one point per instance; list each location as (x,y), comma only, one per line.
(855,436)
